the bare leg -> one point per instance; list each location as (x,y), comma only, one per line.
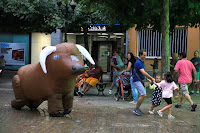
(152,107)
(187,96)
(169,111)
(112,86)
(140,100)
(166,107)
(180,100)
(88,87)
(84,86)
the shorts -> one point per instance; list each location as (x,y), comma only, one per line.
(184,88)
(197,76)
(92,81)
(168,100)
(115,78)
(139,86)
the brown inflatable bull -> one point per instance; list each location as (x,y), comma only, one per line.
(52,79)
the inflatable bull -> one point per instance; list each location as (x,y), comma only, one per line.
(52,79)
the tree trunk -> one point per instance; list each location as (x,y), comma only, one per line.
(165,25)
(85,30)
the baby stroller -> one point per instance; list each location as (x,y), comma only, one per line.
(124,86)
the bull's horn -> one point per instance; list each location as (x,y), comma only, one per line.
(85,53)
(43,55)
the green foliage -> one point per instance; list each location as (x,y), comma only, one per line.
(29,16)
(40,16)
(147,12)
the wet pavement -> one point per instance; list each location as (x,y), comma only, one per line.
(94,113)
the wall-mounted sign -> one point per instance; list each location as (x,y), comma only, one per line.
(14,53)
(97,28)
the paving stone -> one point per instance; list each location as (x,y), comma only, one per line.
(94,114)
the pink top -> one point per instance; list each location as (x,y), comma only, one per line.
(167,88)
(185,68)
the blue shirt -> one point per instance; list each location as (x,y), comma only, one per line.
(139,64)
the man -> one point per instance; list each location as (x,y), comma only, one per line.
(116,70)
(196,62)
(185,68)
(2,65)
(139,74)
(94,73)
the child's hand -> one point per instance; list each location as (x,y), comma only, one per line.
(155,83)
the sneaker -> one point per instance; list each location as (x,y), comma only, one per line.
(116,97)
(110,92)
(194,107)
(151,112)
(140,111)
(178,106)
(191,93)
(171,117)
(160,113)
(136,111)
(80,93)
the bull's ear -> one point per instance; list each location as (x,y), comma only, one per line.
(43,55)
(85,53)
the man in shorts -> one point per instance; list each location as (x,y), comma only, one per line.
(196,62)
(139,74)
(185,68)
(94,73)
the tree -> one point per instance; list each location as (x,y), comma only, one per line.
(161,15)
(29,16)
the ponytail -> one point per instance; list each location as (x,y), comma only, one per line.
(168,77)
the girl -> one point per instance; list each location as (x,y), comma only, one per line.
(167,85)
(131,62)
(156,95)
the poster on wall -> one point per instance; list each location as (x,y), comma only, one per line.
(14,53)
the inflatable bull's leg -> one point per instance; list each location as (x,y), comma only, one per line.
(19,100)
(55,105)
(69,96)
(68,103)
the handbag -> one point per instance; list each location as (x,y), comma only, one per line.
(144,84)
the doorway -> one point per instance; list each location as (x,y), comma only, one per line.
(102,52)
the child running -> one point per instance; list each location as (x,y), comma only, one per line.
(167,85)
(156,95)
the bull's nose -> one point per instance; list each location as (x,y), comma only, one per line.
(78,69)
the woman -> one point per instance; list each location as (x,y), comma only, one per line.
(131,62)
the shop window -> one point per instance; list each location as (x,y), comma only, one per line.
(151,41)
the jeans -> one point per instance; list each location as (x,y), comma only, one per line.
(134,90)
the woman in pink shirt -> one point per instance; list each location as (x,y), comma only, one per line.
(167,85)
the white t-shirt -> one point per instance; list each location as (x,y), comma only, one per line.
(167,88)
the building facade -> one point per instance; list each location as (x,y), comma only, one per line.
(181,40)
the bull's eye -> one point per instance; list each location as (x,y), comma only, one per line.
(74,58)
(56,57)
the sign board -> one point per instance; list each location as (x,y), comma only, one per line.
(14,53)
(97,28)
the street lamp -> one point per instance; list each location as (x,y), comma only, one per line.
(65,13)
